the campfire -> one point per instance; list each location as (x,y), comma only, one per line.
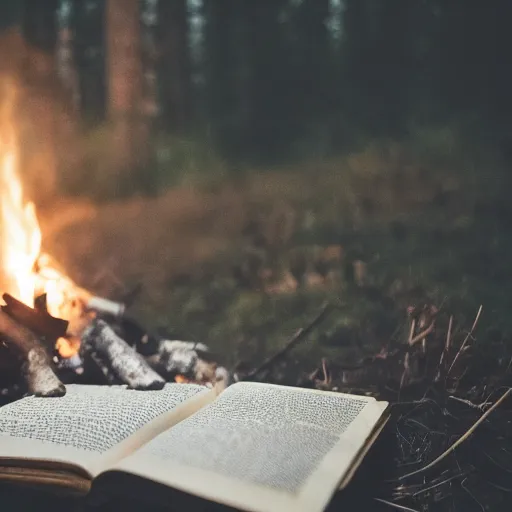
(58,330)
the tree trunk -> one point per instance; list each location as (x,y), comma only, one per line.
(174,63)
(88,41)
(129,147)
(38,139)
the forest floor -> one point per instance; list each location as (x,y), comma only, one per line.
(241,263)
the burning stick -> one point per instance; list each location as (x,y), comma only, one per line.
(37,371)
(66,298)
(38,320)
(127,365)
(105,306)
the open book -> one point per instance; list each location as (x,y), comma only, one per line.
(253,447)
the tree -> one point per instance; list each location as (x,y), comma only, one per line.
(130,145)
(174,64)
(222,69)
(377,63)
(88,41)
(268,80)
(39,131)
(314,75)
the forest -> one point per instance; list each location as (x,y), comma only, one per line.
(260,82)
(243,159)
(232,165)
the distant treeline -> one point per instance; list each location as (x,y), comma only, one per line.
(270,79)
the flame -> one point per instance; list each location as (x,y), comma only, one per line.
(24,272)
(20,234)
(65,299)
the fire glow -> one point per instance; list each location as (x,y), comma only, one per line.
(20,242)
(26,272)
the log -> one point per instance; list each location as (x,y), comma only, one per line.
(187,358)
(37,371)
(37,320)
(106,307)
(99,340)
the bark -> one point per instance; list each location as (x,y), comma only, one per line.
(129,149)
(99,340)
(174,63)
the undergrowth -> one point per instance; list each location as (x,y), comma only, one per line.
(427,217)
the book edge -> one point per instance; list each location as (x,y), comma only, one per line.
(318,490)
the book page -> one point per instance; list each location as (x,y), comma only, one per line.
(86,424)
(262,447)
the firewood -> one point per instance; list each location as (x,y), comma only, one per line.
(186,358)
(106,307)
(37,320)
(100,340)
(36,367)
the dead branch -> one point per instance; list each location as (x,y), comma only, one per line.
(297,337)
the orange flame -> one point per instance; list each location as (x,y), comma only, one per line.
(20,235)
(24,271)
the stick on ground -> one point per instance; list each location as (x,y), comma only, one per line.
(297,337)
(459,441)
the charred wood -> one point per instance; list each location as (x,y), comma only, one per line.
(36,366)
(37,320)
(136,336)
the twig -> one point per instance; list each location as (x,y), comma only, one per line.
(422,334)
(465,340)
(411,331)
(444,353)
(461,439)
(405,373)
(449,334)
(471,494)
(469,403)
(395,505)
(297,337)
(327,378)
(438,484)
